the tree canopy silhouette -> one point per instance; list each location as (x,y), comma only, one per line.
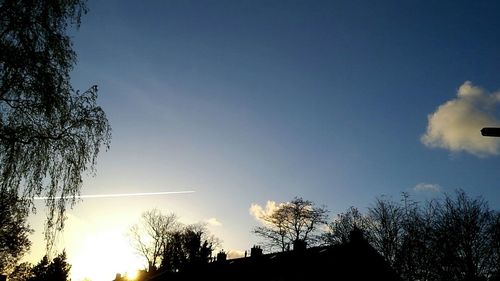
(188,247)
(49,133)
(339,230)
(291,222)
(167,244)
(21,272)
(151,235)
(56,270)
(14,230)
(456,238)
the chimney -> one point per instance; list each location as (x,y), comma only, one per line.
(255,251)
(221,256)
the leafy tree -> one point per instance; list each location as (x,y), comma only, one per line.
(191,246)
(59,269)
(173,258)
(21,272)
(49,133)
(198,243)
(292,222)
(56,270)
(14,230)
(40,271)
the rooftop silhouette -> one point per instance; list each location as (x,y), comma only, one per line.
(353,260)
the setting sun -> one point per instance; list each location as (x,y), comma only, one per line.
(102,254)
(131,275)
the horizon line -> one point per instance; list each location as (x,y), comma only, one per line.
(116,195)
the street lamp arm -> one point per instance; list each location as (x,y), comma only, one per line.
(490,132)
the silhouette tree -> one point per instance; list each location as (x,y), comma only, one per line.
(199,243)
(14,230)
(464,245)
(292,222)
(385,228)
(494,233)
(59,269)
(49,133)
(339,230)
(173,258)
(21,272)
(456,238)
(403,234)
(167,244)
(40,271)
(152,235)
(188,248)
(415,252)
(56,270)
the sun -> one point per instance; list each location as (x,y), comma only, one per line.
(132,274)
(103,254)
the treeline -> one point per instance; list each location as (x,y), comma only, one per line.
(453,238)
(57,269)
(169,245)
(456,238)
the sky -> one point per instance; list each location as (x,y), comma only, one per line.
(247,103)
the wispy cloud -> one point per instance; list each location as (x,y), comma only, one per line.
(427,187)
(456,124)
(214,222)
(258,212)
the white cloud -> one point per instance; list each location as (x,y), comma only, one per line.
(424,187)
(234,254)
(457,123)
(214,222)
(258,212)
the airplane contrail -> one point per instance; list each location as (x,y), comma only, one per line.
(119,195)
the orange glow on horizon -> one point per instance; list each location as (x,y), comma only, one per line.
(103,254)
(98,250)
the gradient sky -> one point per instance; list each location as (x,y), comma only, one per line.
(250,101)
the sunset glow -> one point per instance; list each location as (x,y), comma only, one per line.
(223,110)
(105,252)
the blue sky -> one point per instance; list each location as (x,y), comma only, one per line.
(250,101)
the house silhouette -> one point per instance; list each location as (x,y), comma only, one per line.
(353,260)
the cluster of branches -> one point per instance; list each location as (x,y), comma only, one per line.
(49,133)
(168,245)
(456,238)
(14,230)
(291,223)
(15,243)
(57,269)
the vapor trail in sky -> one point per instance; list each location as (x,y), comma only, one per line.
(114,195)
